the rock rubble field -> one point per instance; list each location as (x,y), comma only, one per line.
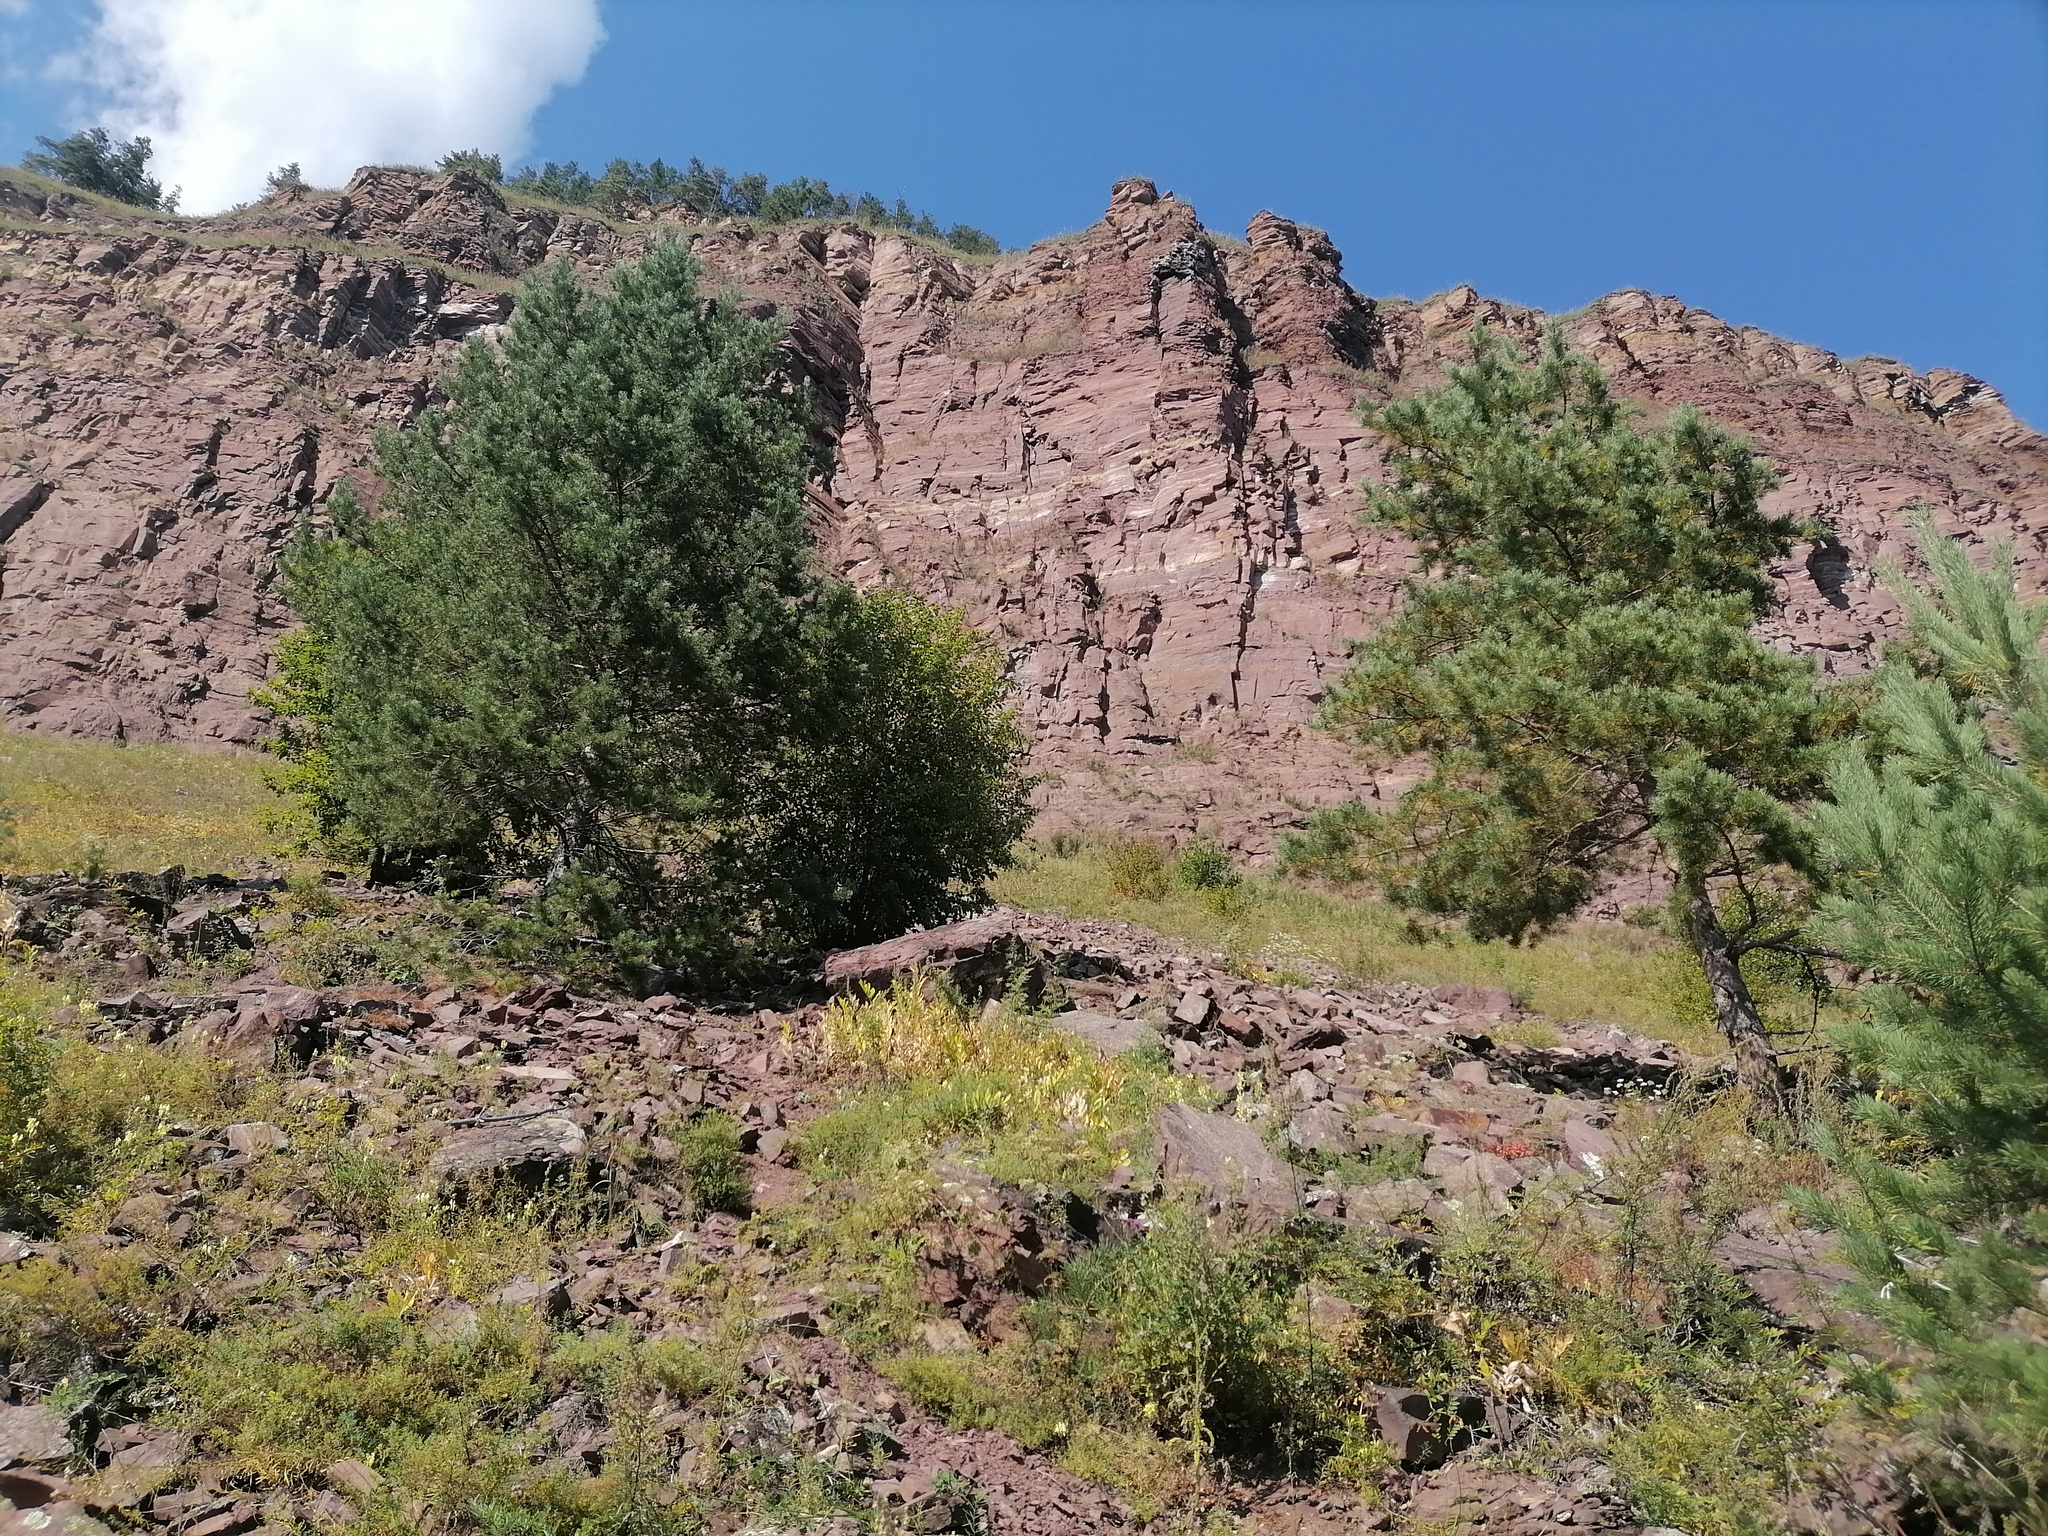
(1396,1113)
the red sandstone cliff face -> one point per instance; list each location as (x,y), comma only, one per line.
(1130,454)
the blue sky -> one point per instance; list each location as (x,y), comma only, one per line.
(1867,176)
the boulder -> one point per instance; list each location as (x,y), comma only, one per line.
(1388,1202)
(34,1434)
(1587,1147)
(1477,1181)
(982,956)
(1792,1273)
(1395,1132)
(1488,1002)
(524,1150)
(1323,1128)
(1402,1417)
(1225,1161)
(141,1459)
(26,1489)
(272,1027)
(201,933)
(549,1296)
(1112,1037)
(253,1136)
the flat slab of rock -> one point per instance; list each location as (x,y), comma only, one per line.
(34,1434)
(1112,1037)
(979,954)
(1489,1002)
(1793,1274)
(1225,1160)
(520,1149)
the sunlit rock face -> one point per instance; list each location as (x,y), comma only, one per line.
(1129,454)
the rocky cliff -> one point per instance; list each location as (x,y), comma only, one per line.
(1129,453)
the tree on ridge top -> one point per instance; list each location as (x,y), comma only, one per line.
(94,161)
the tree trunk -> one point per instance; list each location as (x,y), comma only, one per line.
(1756,1063)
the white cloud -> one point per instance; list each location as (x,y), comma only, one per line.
(228,90)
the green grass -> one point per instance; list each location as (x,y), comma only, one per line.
(1603,973)
(132,807)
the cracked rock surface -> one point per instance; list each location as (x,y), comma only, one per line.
(1129,453)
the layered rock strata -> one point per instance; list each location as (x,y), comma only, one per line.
(1130,454)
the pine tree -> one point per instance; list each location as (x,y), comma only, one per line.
(584,638)
(286,178)
(94,161)
(1938,843)
(477,162)
(1574,658)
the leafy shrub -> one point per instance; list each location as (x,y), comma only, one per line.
(30,1155)
(1205,865)
(360,1187)
(1198,1338)
(1137,870)
(447,1417)
(708,1157)
(286,178)
(895,817)
(948,1388)
(73,1115)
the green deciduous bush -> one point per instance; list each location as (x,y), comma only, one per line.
(1201,1333)
(29,1152)
(73,1116)
(1206,865)
(584,641)
(708,1159)
(1138,870)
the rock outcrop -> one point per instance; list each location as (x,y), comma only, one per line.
(1129,453)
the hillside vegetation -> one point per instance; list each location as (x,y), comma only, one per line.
(1606,972)
(77,803)
(564,1136)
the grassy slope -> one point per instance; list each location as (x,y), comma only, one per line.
(141,807)
(134,807)
(1600,972)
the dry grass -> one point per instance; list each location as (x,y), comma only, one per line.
(134,807)
(1605,973)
